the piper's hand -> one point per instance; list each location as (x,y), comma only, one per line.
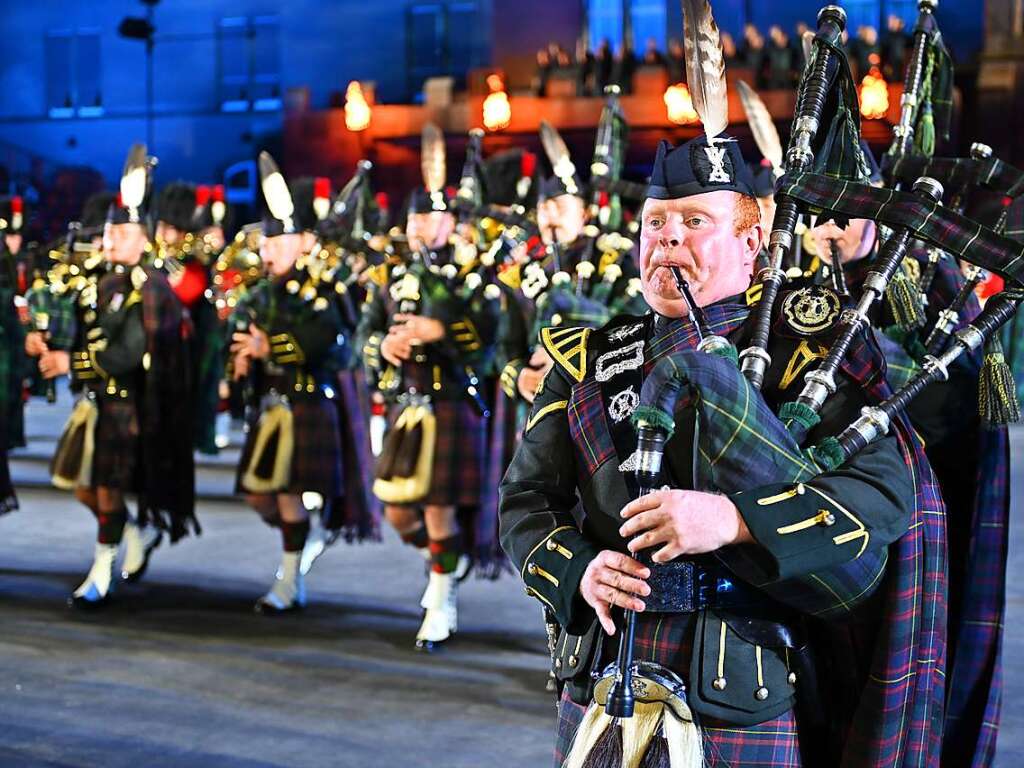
(683,522)
(240,367)
(613,578)
(425,330)
(253,344)
(35,344)
(396,348)
(54,364)
(528,382)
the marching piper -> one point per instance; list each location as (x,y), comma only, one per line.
(285,342)
(428,327)
(125,435)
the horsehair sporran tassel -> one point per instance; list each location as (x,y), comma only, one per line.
(594,726)
(905,301)
(997,391)
(654,737)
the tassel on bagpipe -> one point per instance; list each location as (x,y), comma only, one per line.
(821,70)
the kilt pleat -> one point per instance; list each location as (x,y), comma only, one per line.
(460,454)
(316,458)
(116,456)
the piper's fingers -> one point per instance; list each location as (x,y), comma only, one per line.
(649,539)
(619,598)
(644,503)
(623,583)
(642,521)
(627,565)
(666,553)
(604,615)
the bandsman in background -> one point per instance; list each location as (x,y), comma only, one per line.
(128,433)
(17,272)
(287,337)
(12,353)
(188,241)
(581,273)
(428,328)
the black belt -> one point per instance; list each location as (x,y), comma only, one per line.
(685,586)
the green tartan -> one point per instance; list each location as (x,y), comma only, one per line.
(837,150)
(942,227)
(60,309)
(956,173)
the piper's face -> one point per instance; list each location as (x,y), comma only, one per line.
(13,242)
(280,252)
(168,234)
(561,219)
(698,235)
(124,243)
(853,243)
(429,230)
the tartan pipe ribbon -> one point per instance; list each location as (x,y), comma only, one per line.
(956,173)
(942,227)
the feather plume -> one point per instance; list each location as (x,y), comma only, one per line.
(807,43)
(766,136)
(275,189)
(133,179)
(705,67)
(557,152)
(432,158)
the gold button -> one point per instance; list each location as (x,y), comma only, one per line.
(573,661)
(792,678)
(551,545)
(828,519)
(761,693)
(532,569)
(718,683)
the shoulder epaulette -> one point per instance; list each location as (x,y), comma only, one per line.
(378,274)
(568,348)
(512,277)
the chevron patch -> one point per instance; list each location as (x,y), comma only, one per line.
(568,347)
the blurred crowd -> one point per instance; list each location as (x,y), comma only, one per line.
(774,60)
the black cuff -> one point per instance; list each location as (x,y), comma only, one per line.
(800,528)
(553,571)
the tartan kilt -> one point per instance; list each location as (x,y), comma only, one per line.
(115,462)
(460,453)
(667,639)
(316,457)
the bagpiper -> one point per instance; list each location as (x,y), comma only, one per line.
(722,562)
(429,326)
(125,435)
(287,339)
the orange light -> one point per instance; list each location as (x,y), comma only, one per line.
(497,109)
(874,95)
(680,105)
(357,111)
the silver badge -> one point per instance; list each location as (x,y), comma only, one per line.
(630,464)
(716,156)
(623,404)
(623,333)
(618,361)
